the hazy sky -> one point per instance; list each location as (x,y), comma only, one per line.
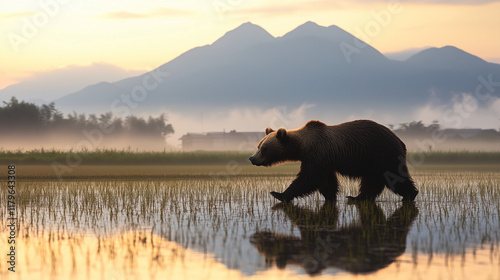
(42,35)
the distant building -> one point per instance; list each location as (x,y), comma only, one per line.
(221,141)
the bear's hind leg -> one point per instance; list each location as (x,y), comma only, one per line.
(330,187)
(406,188)
(401,183)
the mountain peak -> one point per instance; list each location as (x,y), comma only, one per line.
(336,37)
(446,57)
(245,34)
(310,24)
(307,29)
(332,33)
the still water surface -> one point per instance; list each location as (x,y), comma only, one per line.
(200,228)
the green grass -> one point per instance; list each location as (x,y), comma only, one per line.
(112,156)
(129,157)
(454,157)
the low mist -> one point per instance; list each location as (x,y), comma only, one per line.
(458,126)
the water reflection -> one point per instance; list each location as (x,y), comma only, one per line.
(360,247)
(200,229)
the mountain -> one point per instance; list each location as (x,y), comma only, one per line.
(446,58)
(312,64)
(44,87)
(99,91)
(335,35)
(246,34)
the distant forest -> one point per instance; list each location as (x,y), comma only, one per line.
(418,128)
(28,123)
(427,138)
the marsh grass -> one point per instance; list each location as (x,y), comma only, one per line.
(153,228)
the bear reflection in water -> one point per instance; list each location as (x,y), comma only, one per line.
(364,246)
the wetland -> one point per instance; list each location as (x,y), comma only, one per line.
(220,222)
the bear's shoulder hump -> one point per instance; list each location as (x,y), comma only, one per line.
(315,124)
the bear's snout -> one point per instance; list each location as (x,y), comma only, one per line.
(252,160)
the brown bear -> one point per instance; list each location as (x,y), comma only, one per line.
(357,149)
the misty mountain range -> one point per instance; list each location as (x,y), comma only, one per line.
(312,64)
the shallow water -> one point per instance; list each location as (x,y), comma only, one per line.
(216,228)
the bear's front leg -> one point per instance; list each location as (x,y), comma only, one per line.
(307,181)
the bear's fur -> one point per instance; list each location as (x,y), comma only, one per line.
(357,149)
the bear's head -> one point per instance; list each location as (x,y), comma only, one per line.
(274,148)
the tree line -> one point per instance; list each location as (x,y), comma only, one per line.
(20,118)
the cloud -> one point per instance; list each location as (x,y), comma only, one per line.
(288,8)
(153,13)
(463,111)
(440,2)
(404,54)
(493,59)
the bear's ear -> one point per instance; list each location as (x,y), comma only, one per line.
(269,130)
(281,134)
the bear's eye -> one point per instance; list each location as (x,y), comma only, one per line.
(263,150)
